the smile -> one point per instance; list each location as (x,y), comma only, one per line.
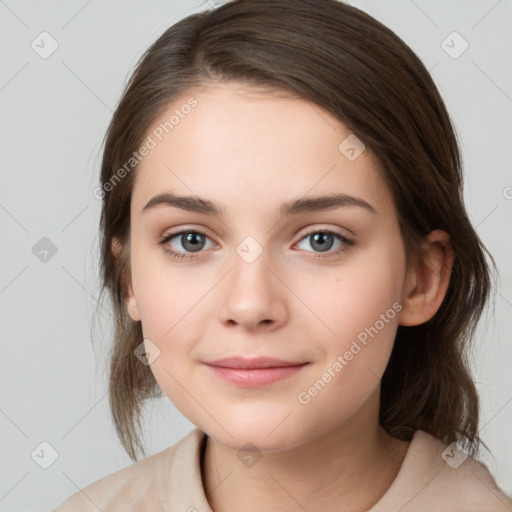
(252,377)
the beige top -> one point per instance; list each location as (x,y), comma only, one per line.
(170,481)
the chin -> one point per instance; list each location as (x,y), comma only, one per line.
(262,434)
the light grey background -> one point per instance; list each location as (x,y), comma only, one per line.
(54,113)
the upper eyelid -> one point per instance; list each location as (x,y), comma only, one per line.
(204,231)
(320,230)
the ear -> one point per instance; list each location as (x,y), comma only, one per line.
(427,280)
(131,303)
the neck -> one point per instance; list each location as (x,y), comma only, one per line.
(347,469)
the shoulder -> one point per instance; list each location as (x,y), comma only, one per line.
(435,476)
(138,486)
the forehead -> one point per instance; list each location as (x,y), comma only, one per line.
(247,147)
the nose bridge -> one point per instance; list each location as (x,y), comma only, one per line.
(251,268)
(251,294)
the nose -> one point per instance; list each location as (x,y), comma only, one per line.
(253,296)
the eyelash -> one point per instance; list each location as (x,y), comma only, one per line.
(347,243)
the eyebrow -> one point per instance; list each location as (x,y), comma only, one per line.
(303,205)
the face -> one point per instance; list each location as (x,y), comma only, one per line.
(274,273)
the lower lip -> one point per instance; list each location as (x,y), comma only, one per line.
(255,377)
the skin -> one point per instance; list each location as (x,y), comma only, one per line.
(250,151)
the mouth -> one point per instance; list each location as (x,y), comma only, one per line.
(256,372)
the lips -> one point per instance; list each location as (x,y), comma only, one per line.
(252,363)
(255,372)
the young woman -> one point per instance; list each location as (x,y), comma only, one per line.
(291,264)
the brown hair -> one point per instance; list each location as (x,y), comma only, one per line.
(348,63)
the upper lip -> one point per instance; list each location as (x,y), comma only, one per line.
(257,362)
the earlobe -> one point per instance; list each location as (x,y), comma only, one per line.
(427,280)
(130,301)
(131,305)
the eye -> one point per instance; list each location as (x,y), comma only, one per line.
(191,241)
(183,244)
(323,241)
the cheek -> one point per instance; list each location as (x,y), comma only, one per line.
(174,306)
(352,298)
(166,295)
(360,310)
